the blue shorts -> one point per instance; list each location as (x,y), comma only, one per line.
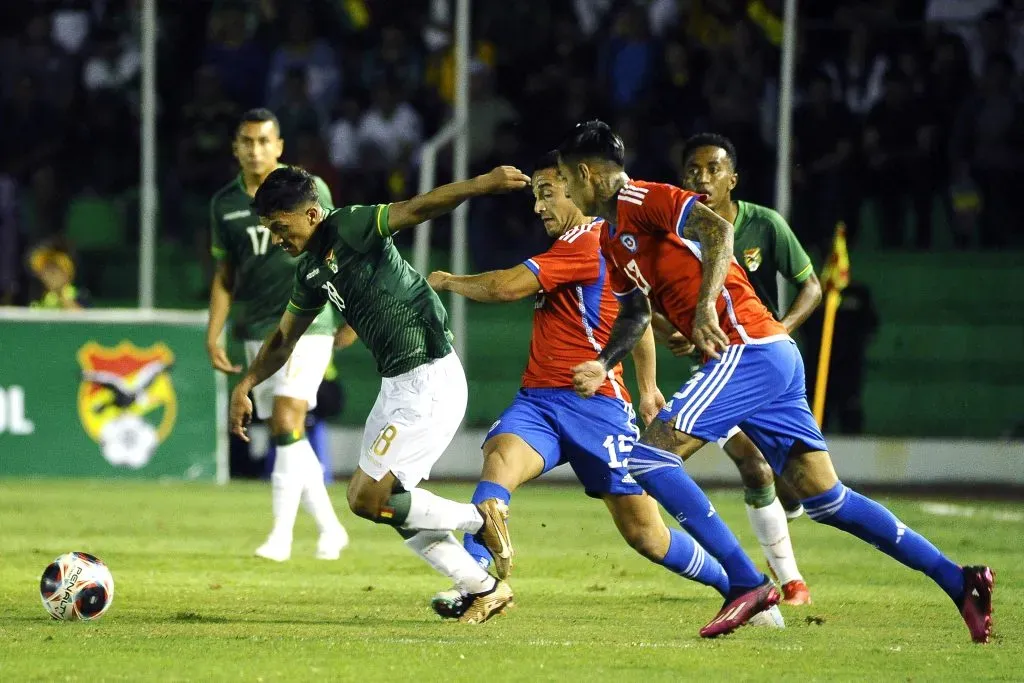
(757,387)
(594,435)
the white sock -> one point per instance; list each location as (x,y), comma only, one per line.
(286,485)
(314,493)
(430,511)
(442,552)
(772,530)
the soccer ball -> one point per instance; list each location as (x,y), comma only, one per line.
(77,586)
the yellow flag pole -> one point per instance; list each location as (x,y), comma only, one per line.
(825,354)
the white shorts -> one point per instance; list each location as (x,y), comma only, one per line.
(299,378)
(413,420)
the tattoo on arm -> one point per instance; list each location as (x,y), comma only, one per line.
(630,325)
(715,236)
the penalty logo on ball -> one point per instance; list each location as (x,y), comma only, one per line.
(76,587)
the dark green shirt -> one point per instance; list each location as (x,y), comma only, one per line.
(765,245)
(263,273)
(352,262)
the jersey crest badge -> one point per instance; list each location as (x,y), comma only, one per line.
(629,242)
(752,258)
(126,401)
(331,262)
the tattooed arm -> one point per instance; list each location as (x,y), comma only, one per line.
(715,236)
(630,326)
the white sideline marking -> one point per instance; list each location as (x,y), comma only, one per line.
(952,510)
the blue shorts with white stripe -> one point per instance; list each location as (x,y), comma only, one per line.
(758,387)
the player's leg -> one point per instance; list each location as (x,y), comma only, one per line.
(789,499)
(721,395)
(414,419)
(767,516)
(808,469)
(294,396)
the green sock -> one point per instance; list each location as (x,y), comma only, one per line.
(395,511)
(759,498)
(288,438)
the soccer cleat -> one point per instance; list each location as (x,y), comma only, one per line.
(796,593)
(483,606)
(450,604)
(330,544)
(494,535)
(739,610)
(275,550)
(770,618)
(976,606)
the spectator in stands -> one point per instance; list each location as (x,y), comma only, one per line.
(487,111)
(825,190)
(296,112)
(342,141)
(35,55)
(302,49)
(10,242)
(858,74)
(237,57)
(988,143)
(55,270)
(390,131)
(894,159)
(628,59)
(395,60)
(114,64)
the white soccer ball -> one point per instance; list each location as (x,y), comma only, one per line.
(77,586)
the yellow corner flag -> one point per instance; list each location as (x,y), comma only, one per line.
(836,276)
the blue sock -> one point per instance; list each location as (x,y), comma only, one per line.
(686,558)
(484,490)
(661,474)
(846,509)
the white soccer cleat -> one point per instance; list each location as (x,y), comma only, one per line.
(770,618)
(330,544)
(275,551)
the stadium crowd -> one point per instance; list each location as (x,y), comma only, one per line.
(915,106)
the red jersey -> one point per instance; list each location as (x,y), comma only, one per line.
(649,253)
(573,313)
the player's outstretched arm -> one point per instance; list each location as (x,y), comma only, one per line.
(633,321)
(495,286)
(272,356)
(646,366)
(807,299)
(715,236)
(444,199)
(220,307)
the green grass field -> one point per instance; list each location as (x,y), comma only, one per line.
(191,604)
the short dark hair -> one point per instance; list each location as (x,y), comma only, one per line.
(710,140)
(285,189)
(258,115)
(594,139)
(548,161)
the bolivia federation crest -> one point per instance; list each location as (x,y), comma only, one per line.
(752,258)
(126,400)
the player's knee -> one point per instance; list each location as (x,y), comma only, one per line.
(756,473)
(364,502)
(649,540)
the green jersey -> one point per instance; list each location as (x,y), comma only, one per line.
(764,245)
(263,273)
(352,262)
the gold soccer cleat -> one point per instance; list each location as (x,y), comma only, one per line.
(494,535)
(485,605)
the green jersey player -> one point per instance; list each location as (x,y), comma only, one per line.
(349,262)
(252,282)
(764,245)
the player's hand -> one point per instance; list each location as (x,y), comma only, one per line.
(679,345)
(240,413)
(345,337)
(588,377)
(220,361)
(503,179)
(437,280)
(707,334)
(651,404)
